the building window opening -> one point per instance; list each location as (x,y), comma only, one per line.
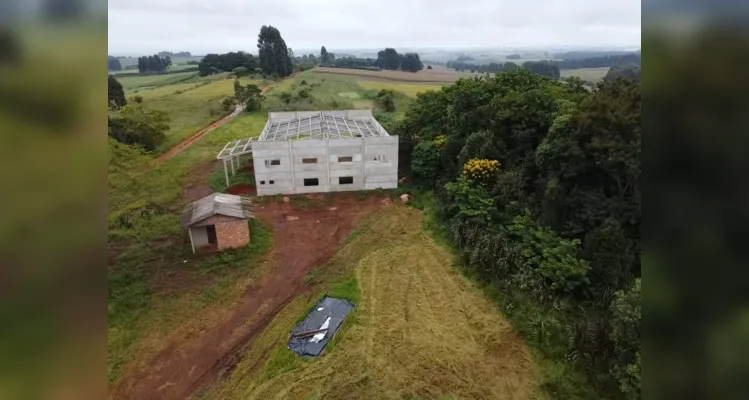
(346,180)
(345,159)
(311,182)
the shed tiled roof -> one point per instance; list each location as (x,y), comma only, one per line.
(215,204)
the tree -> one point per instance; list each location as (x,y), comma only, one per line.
(229,62)
(273,53)
(411,62)
(388,59)
(138,126)
(153,63)
(250,95)
(323,56)
(113,64)
(429,67)
(115,93)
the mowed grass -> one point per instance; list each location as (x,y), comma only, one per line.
(420,330)
(593,75)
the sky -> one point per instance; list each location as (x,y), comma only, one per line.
(138,27)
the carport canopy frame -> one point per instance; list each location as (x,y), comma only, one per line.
(231,153)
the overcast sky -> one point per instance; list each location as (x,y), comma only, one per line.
(138,27)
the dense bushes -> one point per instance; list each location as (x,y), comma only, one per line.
(136,125)
(557,226)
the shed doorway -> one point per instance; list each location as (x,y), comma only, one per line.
(211,231)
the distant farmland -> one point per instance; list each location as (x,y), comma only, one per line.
(436,76)
(593,75)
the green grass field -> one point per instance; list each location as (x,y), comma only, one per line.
(191,105)
(410,90)
(593,75)
(138,82)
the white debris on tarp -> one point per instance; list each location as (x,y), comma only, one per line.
(321,335)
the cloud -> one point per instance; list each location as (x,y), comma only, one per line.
(144,26)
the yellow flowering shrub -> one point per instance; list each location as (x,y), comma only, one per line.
(440,141)
(481,170)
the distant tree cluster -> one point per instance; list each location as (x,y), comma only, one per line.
(215,63)
(483,68)
(390,59)
(600,62)
(514,57)
(113,64)
(183,54)
(545,68)
(153,63)
(274,56)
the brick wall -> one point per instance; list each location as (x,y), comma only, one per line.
(233,234)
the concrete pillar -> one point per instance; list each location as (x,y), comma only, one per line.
(226,174)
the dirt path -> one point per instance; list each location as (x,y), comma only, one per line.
(199,134)
(187,364)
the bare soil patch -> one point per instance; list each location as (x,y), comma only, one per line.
(200,188)
(187,364)
(247,190)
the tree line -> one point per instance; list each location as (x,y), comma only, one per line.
(537,184)
(545,68)
(113,64)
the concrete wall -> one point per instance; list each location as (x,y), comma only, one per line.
(199,237)
(232,234)
(373,165)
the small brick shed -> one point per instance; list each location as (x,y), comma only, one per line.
(217,222)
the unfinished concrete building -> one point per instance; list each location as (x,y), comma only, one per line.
(319,151)
(217,222)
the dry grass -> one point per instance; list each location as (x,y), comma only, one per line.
(425,75)
(421,330)
(593,75)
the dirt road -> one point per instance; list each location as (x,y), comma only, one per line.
(199,134)
(188,364)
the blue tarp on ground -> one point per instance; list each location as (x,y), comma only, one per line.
(328,307)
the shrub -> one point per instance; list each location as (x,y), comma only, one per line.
(138,126)
(425,161)
(481,170)
(304,93)
(551,265)
(429,67)
(440,141)
(386,100)
(229,103)
(285,97)
(470,201)
(138,99)
(303,83)
(626,323)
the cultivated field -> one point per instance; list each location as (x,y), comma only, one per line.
(593,75)
(437,75)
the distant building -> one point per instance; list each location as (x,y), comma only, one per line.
(318,151)
(217,222)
